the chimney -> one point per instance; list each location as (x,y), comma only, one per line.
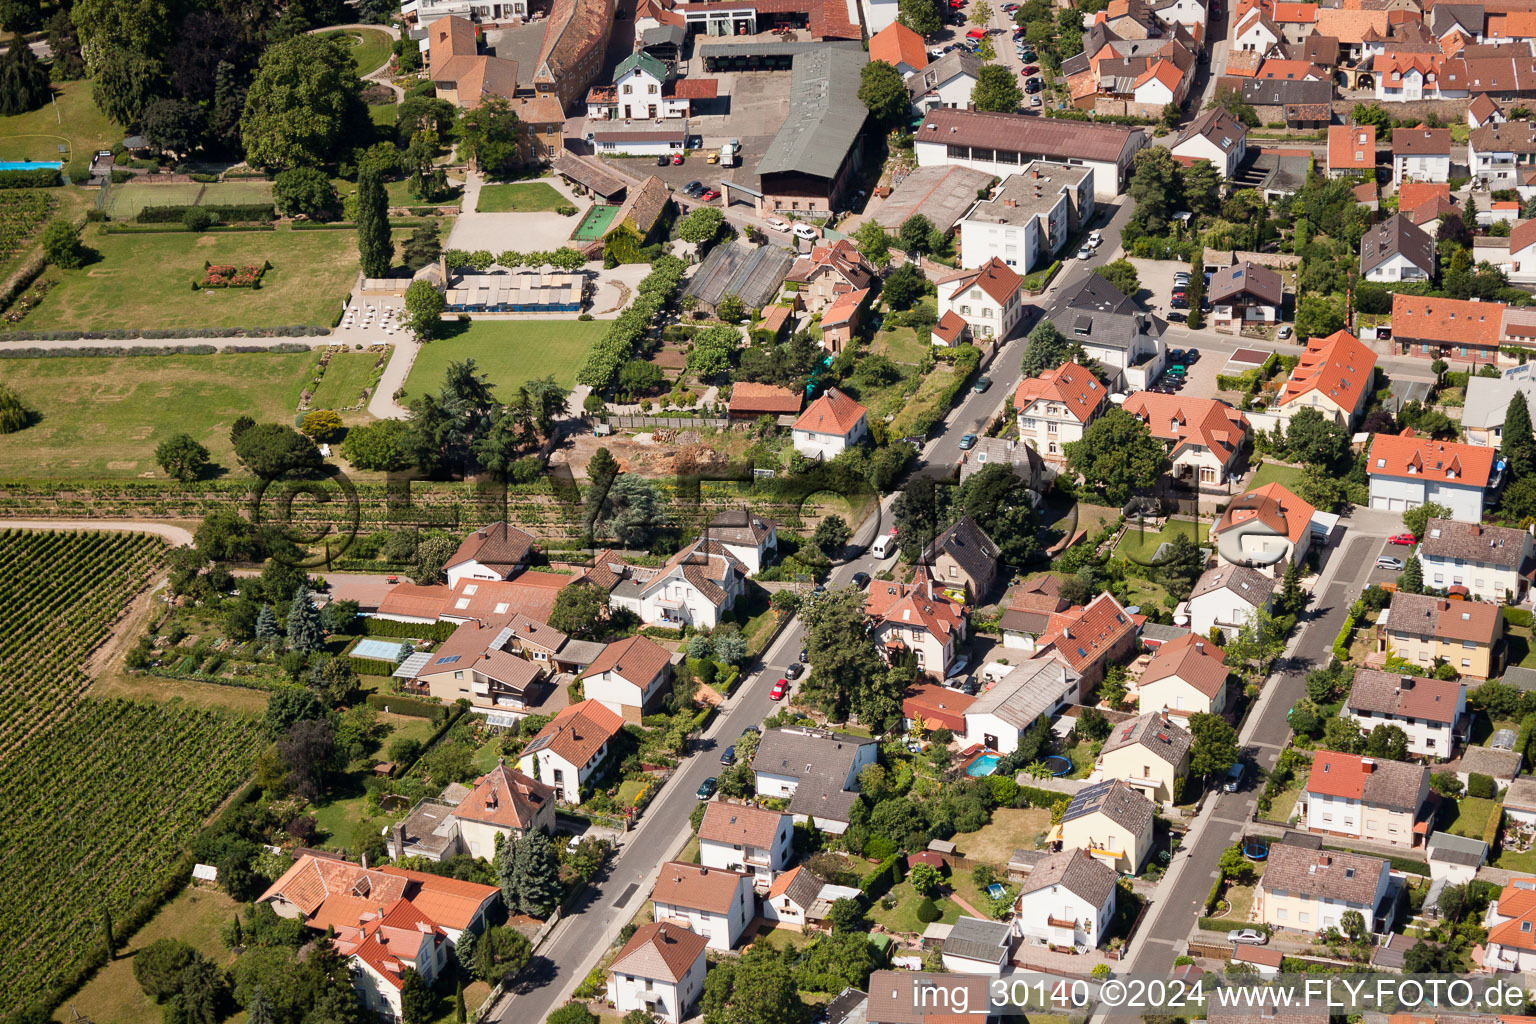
(1009,203)
(1367,765)
(399,836)
(365,862)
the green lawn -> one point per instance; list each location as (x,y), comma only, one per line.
(195,917)
(924,400)
(145,280)
(1525,863)
(509,352)
(383,114)
(371,48)
(1274,472)
(346,375)
(901,345)
(72,119)
(1011,828)
(125,201)
(519,197)
(1140,545)
(400,195)
(103,417)
(1472,816)
(903,917)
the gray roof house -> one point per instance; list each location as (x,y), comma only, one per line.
(817,769)
(1116,800)
(1244,285)
(964,556)
(1124,339)
(1397,250)
(1039,686)
(1026,463)
(975,944)
(1487,402)
(1074,871)
(956,70)
(1154,733)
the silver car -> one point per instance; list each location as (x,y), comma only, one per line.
(1388,562)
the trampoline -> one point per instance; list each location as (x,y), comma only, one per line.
(1059,764)
(1255,850)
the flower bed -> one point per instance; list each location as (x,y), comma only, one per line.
(223,275)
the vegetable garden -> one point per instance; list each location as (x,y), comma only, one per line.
(98,798)
(23,212)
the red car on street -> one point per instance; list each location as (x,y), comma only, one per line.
(1403,538)
(780,688)
(677,159)
(976,33)
(709,195)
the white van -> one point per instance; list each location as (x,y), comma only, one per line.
(885,547)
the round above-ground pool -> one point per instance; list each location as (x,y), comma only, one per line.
(1059,764)
(1255,851)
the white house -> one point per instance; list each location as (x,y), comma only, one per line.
(660,970)
(900,47)
(1186,676)
(428,11)
(1266,529)
(1029,217)
(987,298)
(716,903)
(1421,154)
(1397,250)
(696,587)
(878,14)
(1313,889)
(1216,136)
(1366,798)
(791,897)
(1409,77)
(1498,152)
(1428,710)
(1254,30)
(1068,900)
(1124,340)
(919,618)
(746,838)
(1511,924)
(638,82)
(999,716)
(749,537)
(1225,598)
(496,552)
(816,769)
(1493,563)
(1406,471)
(1483,110)
(570,749)
(832,423)
(947,82)
(1056,407)
(1454,858)
(1205,437)
(1002,143)
(383,945)
(628,677)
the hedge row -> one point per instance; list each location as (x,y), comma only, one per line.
(286,331)
(1518,617)
(1214,897)
(1213,924)
(412,707)
(173,227)
(373,667)
(885,875)
(1405,864)
(967,358)
(12,352)
(42,177)
(435,631)
(1341,642)
(617,346)
(229,212)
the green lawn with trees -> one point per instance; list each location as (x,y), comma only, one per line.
(509,352)
(77,123)
(103,417)
(144,280)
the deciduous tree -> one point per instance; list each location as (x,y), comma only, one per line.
(181,457)
(304,190)
(489,135)
(1118,456)
(883,92)
(1122,274)
(921,16)
(424,306)
(1214,745)
(303,103)
(61,245)
(996,89)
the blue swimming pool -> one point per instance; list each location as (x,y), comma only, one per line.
(380,650)
(997,890)
(986,764)
(28,165)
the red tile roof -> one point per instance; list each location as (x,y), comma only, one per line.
(1351,147)
(578,732)
(832,413)
(1273,505)
(1284,11)
(951,326)
(843,308)
(1522,235)
(1518,903)
(1413,194)
(1183,422)
(693,887)
(749,398)
(497,546)
(994,277)
(1405,455)
(1339,366)
(389,942)
(1191,658)
(637,660)
(1070,384)
(1447,321)
(660,951)
(505,797)
(914,604)
(937,706)
(740,824)
(1082,636)
(896,45)
(691,88)
(1421,142)
(1392,784)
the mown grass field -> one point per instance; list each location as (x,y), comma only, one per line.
(144,280)
(103,417)
(371,47)
(519,197)
(126,200)
(346,375)
(509,352)
(71,119)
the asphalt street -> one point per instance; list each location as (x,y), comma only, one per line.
(1178,904)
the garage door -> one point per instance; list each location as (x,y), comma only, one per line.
(1380,502)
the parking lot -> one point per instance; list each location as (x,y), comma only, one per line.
(1388,549)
